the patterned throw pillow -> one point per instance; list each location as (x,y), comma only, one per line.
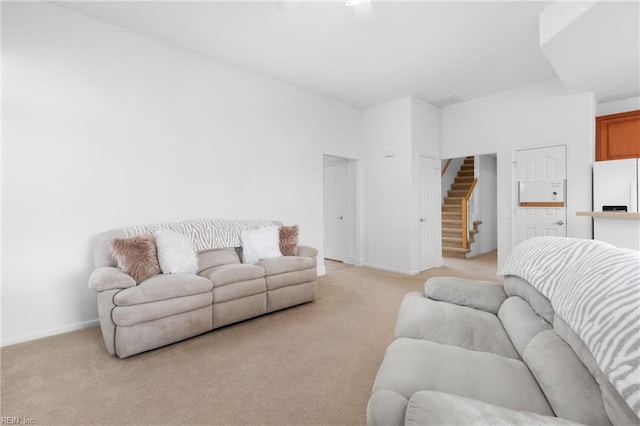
(136,256)
(289,240)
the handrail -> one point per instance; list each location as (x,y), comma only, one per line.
(465,222)
(446,166)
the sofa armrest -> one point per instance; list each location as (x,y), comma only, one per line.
(110,278)
(482,295)
(305,251)
(439,408)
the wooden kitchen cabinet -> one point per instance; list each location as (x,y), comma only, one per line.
(618,136)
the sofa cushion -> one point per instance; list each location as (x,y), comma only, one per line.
(446,323)
(233,273)
(571,390)
(483,295)
(291,278)
(284,264)
(162,287)
(520,322)
(238,290)
(386,408)
(412,365)
(135,314)
(437,408)
(212,258)
(516,286)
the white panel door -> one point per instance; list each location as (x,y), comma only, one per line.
(540,164)
(335,185)
(429,237)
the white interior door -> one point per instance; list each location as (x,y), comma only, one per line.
(533,165)
(429,237)
(335,185)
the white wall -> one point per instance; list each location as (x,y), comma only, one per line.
(105,128)
(387,185)
(538,115)
(393,135)
(622,105)
(487,238)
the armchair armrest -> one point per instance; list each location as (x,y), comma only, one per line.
(305,251)
(110,278)
(482,295)
(438,408)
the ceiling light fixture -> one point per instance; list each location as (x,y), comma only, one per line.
(355,2)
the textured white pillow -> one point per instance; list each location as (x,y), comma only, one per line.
(259,244)
(176,253)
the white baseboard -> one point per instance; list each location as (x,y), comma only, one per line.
(388,269)
(50,332)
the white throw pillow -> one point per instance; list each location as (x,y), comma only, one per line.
(259,244)
(176,253)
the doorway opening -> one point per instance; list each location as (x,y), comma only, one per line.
(470,210)
(339,209)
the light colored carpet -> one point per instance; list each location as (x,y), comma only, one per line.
(312,364)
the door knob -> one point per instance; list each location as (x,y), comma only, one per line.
(560,222)
(422,219)
(340,217)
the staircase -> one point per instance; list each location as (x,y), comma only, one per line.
(452,228)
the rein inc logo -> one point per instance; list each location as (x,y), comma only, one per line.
(5,420)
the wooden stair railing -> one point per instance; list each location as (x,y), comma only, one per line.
(446,166)
(465,220)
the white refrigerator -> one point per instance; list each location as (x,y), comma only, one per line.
(615,185)
(616,188)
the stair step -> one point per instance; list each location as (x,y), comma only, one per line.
(452,240)
(452,224)
(451,233)
(453,200)
(451,244)
(450,208)
(467,166)
(457,253)
(463,179)
(468,160)
(463,185)
(457,193)
(465,173)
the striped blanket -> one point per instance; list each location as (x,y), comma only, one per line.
(206,234)
(595,288)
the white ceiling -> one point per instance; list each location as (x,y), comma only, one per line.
(599,50)
(429,49)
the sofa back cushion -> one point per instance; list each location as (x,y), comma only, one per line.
(517,286)
(521,322)
(212,258)
(565,369)
(616,407)
(571,390)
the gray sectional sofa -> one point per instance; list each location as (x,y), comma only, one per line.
(528,352)
(167,308)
